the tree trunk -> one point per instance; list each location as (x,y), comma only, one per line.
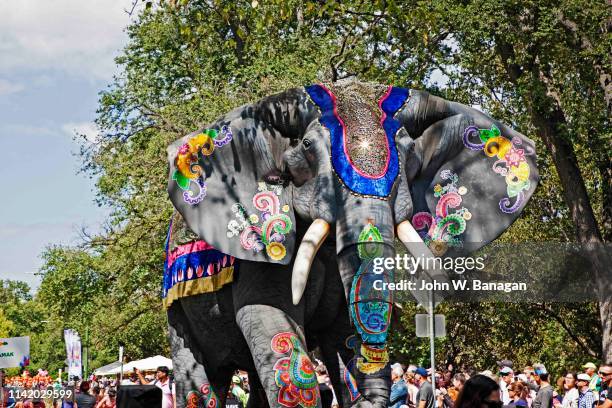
(605,170)
(605,314)
(550,128)
(549,120)
(574,190)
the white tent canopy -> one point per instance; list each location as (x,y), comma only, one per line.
(107,369)
(147,364)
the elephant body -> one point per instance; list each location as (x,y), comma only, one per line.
(205,331)
(284,203)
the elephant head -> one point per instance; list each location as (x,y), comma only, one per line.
(373,162)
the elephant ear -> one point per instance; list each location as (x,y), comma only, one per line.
(217,180)
(470,178)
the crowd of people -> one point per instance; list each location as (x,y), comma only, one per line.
(412,387)
(41,391)
(532,387)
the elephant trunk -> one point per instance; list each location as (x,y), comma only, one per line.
(365,231)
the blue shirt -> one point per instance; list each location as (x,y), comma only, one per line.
(399,393)
(586,399)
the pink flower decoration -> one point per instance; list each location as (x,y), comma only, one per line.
(184,149)
(514,157)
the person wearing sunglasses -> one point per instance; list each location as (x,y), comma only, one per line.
(479,391)
(518,392)
(605,396)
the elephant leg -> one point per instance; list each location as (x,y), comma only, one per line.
(330,359)
(193,387)
(278,349)
(257,394)
(335,355)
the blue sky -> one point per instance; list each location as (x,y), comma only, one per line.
(55,56)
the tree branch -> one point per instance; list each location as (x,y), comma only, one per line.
(548,311)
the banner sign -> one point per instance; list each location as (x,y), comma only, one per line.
(73,351)
(14,352)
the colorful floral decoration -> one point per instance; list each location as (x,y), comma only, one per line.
(373,358)
(266,229)
(205,397)
(350,382)
(188,171)
(351,122)
(295,374)
(443,229)
(369,246)
(511,162)
(194,268)
(370,309)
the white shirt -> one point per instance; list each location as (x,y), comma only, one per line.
(570,399)
(167,393)
(505,396)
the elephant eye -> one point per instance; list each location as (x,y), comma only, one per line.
(307,143)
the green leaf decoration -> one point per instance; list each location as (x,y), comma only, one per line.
(486,134)
(182,181)
(369,238)
(212,133)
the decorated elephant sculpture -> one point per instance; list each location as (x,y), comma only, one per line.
(282,205)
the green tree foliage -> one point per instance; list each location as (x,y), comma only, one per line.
(6,326)
(478,335)
(539,65)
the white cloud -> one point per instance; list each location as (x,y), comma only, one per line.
(87,129)
(19,130)
(7,87)
(71,129)
(74,36)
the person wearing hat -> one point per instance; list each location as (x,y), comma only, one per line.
(586,398)
(425,397)
(590,369)
(506,376)
(544,397)
(238,391)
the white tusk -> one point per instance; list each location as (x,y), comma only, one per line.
(417,247)
(314,237)
(412,240)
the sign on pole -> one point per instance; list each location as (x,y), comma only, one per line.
(423,328)
(14,352)
(73,352)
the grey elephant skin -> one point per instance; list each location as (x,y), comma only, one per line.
(297,193)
